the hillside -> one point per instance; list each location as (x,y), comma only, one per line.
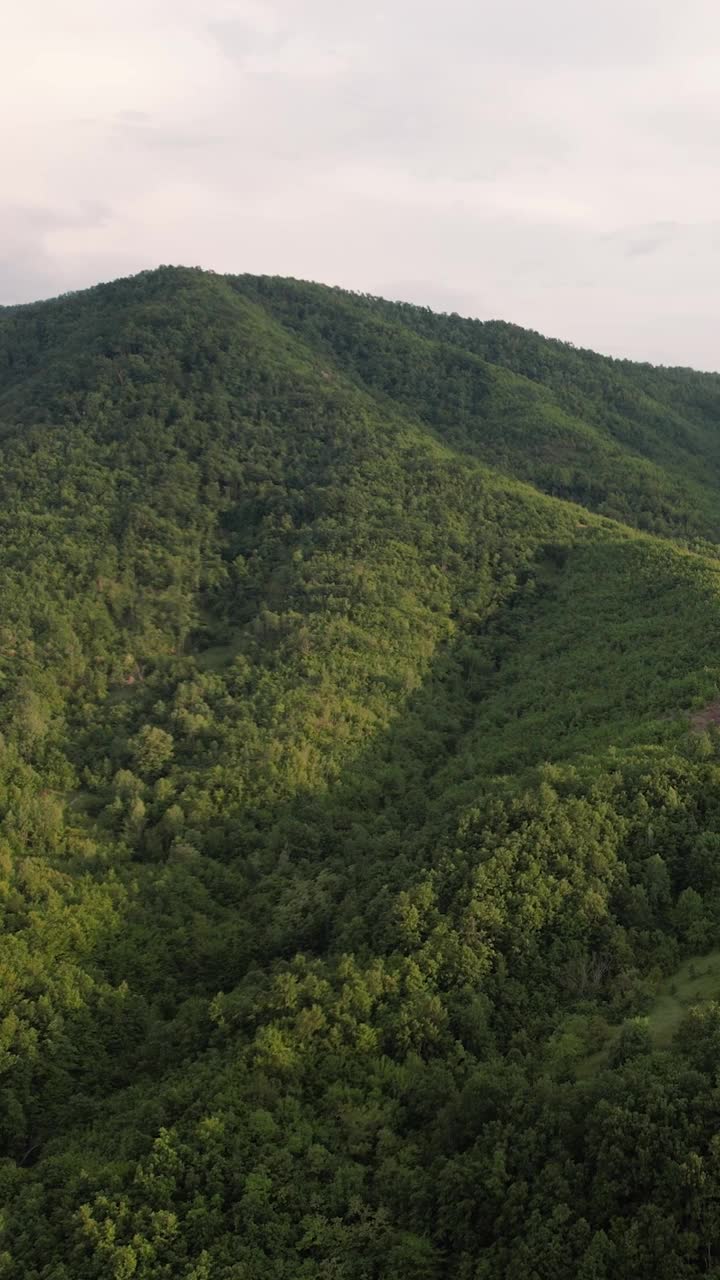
(355,838)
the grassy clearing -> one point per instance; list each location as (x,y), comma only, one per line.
(694,983)
(216,657)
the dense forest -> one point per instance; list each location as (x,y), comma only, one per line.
(359,794)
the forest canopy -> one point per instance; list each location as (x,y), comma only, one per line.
(359,794)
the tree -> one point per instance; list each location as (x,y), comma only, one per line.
(151,749)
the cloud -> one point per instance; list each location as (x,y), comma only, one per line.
(137,130)
(551,164)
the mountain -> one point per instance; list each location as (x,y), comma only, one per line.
(359,794)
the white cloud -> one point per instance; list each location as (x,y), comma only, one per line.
(552,164)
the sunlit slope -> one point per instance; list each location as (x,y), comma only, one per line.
(183,485)
(229,497)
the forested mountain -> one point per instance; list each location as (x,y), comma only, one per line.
(359,794)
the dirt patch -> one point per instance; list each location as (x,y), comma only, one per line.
(706,716)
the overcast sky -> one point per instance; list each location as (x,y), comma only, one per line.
(550,162)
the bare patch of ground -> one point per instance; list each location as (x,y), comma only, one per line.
(706,716)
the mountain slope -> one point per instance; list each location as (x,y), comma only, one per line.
(638,444)
(348,803)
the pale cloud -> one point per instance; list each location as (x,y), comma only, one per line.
(554,164)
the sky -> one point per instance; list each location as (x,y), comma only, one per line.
(550,163)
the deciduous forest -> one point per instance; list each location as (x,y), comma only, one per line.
(359,794)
